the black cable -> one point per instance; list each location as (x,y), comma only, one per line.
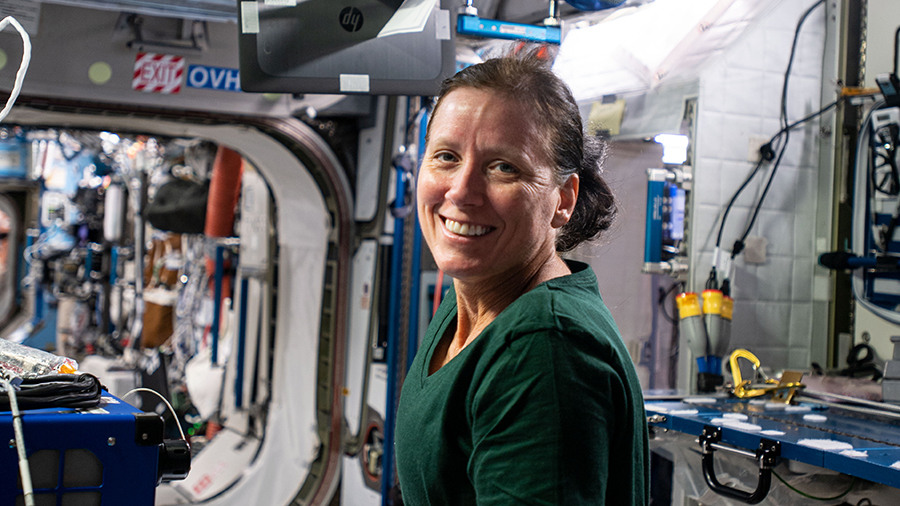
(739,245)
(665,313)
(712,282)
(811,116)
(766,152)
(890,181)
(883,147)
(734,198)
(787,73)
(663,295)
(763,159)
(56,391)
(896,48)
(785,130)
(816,498)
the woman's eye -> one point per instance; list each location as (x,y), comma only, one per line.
(445,157)
(506,168)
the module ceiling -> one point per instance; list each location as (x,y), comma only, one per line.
(520,11)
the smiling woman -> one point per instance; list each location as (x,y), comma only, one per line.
(486,171)
(522,390)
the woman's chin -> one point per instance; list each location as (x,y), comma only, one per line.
(462,270)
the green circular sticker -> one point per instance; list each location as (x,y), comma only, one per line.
(2,59)
(100,72)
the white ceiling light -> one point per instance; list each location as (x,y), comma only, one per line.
(674,148)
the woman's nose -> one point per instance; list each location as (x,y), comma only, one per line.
(467,186)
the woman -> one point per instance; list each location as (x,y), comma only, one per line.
(522,391)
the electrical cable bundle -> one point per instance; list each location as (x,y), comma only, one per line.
(76,391)
(885,175)
(778,143)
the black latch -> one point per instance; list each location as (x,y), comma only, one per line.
(148,429)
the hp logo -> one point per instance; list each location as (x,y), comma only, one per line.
(351,19)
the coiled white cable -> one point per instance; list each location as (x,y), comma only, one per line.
(171,409)
(23,67)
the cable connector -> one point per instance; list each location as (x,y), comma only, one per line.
(712,282)
(766,152)
(738,247)
(726,287)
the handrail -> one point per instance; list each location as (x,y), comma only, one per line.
(766,455)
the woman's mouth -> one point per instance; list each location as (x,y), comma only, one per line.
(465,229)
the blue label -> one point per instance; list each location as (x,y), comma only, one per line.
(215,78)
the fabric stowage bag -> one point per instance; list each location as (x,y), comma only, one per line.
(179,206)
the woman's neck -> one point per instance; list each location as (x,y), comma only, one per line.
(478,306)
(479,303)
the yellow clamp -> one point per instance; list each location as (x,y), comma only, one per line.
(782,391)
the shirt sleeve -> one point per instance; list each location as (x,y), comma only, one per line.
(542,419)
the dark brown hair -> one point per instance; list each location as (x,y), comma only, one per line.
(526,77)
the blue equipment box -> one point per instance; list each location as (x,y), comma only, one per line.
(664,228)
(106,456)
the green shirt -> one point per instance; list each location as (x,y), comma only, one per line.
(543,407)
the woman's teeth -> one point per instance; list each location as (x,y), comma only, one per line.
(464,229)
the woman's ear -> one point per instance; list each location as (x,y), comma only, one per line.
(568,195)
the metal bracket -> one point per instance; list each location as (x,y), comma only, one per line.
(187,35)
(490,28)
(553,18)
(766,456)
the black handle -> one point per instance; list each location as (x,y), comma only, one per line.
(766,455)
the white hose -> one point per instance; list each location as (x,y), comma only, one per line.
(24,469)
(23,67)
(171,409)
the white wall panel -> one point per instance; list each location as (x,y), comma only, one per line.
(740,100)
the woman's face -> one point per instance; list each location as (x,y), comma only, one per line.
(487,197)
